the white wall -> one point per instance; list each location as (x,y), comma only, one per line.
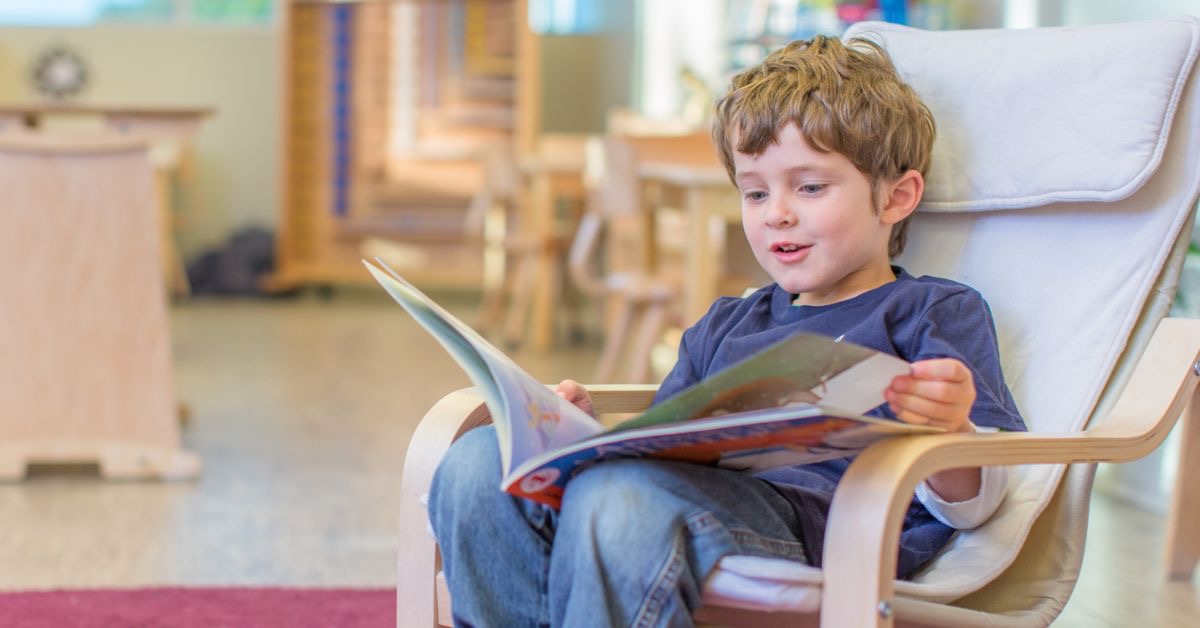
(1079,12)
(235,164)
(664,48)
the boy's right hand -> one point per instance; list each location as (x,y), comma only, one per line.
(574,392)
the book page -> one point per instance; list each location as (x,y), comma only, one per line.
(799,370)
(530,418)
(859,388)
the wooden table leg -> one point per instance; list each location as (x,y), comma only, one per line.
(1183,522)
(709,210)
(701,287)
(174,269)
(541,325)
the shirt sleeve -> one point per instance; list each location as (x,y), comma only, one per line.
(693,348)
(969,513)
(682,375)
(960,326)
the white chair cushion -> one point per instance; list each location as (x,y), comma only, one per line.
(1095,132)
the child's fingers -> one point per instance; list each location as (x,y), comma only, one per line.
(946,369)
(938,392)
(570,390)
(950,423)
(576,394)
(935,389)
(911,417)
(923,406)
(924,411)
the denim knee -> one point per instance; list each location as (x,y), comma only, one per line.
(468,474)
(622,550)
(619,504)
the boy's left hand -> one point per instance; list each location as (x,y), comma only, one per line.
(575,392)
(937,393)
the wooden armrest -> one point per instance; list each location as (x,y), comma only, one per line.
(868,508)
(621,398)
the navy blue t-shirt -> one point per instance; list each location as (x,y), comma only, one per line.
(912,318)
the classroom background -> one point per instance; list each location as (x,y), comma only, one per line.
(541,167)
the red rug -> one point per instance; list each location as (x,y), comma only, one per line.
(199,608)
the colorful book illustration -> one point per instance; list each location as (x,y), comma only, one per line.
(799,401)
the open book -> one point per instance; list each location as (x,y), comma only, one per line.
(798,401)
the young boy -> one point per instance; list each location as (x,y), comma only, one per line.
(828,148)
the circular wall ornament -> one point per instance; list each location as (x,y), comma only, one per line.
(59,73)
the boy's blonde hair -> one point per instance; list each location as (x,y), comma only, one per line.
(842,97)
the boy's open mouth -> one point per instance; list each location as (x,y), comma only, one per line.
(790,252)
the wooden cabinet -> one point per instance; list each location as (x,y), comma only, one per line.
(85,353)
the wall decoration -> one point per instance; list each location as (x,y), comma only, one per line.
(59,73)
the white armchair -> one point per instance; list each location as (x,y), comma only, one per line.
(1064,182)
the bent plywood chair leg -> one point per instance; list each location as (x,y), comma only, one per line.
(491,304)
(520,300)
(1183,543)
(651,325)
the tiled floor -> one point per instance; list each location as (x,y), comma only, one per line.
(301,410)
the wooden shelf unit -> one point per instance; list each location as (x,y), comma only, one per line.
(386,104)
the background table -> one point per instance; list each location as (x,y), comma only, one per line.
(710,203)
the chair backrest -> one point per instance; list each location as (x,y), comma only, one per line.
(1063,186)
(611,192)
(610,176)
(501,185)
(612,166)
(614,198)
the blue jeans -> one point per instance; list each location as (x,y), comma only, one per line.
(631,546)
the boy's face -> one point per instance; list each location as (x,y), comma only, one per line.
(810,219)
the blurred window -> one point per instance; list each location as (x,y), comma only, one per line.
(175,12)
(564,17)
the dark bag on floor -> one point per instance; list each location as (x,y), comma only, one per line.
(237,267)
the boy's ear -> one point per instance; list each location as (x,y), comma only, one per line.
(901,197)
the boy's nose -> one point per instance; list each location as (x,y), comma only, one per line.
(779,215)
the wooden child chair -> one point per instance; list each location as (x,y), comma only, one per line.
(516,249)
(510,252)
(638,300)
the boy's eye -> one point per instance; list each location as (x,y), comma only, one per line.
(812,188)
(755,195)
